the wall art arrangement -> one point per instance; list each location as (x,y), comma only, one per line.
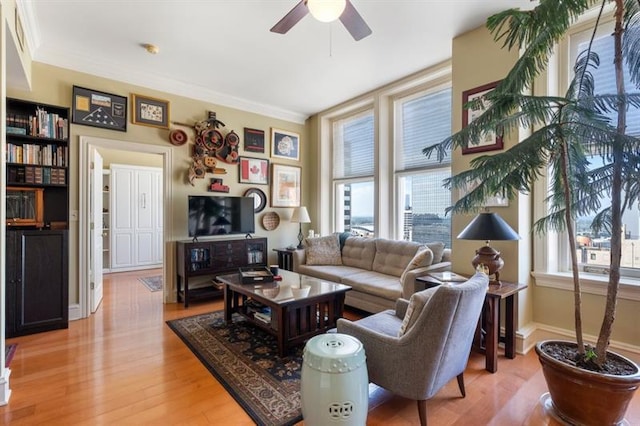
(212,144)
(99,109)
(492,141)
(150,111)
(285,144)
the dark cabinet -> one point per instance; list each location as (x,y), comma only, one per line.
(37,281)
(211,258)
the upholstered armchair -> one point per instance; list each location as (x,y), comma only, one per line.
(422,345)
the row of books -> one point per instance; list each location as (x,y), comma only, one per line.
(254,256)
(35,174)
(42,124)
(42,155)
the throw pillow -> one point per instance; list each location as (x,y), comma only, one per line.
(438,250)
(422,258)
(323,251)
(416,304)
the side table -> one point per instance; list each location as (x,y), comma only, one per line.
(285,258)
(489,322)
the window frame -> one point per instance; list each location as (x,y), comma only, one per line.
(552,265)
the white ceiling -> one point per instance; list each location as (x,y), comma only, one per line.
(221,51)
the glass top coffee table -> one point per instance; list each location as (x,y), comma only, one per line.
(293,310)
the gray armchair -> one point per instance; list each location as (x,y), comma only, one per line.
(429,353)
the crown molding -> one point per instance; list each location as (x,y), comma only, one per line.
(121,73)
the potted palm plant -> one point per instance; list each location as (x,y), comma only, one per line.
(568,131)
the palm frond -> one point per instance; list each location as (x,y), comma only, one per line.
(631,39)
(536,31)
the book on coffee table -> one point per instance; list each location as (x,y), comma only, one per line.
(447,277)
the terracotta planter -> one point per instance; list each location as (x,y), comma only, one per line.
(585,397)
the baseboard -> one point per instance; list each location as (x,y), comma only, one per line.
(75,313)
(5,392)
(527,337)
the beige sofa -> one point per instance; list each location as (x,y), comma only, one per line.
(379,270)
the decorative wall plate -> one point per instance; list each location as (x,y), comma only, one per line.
(178,137)
(259,198)
(270,221)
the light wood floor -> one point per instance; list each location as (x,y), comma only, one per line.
(125,366)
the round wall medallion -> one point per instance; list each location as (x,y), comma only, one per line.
(270,221)
(259,198)
(178,137)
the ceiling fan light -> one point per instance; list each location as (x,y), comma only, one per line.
(326,10)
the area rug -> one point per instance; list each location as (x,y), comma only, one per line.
(9,352)
(152,283)
(244,360)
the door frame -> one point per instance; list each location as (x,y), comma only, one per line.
(84,191)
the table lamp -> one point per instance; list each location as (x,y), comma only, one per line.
(488,226)
(300,215)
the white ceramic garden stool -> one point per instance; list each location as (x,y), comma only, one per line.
(335,383)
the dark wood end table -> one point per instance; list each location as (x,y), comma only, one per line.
(488,330)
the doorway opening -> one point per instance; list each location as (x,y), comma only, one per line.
(89,275)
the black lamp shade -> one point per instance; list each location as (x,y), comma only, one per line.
(488,226)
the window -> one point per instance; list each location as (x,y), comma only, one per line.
(422,120)
(373,179)
(353,169)
(594,249)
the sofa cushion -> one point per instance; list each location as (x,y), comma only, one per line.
(333,273)
(323,251)
(393,256)
(359,252)
(438,250)
(416,304)
(423,258)
(376,284)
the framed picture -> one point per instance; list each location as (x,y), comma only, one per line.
(285,186)
(253,170)
(150,111)
(99,109)
(492,141)
(494,201)
(254,140)
(285,144)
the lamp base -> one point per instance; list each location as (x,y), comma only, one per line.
(300,237)
(489,257)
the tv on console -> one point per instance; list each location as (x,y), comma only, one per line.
(220,215)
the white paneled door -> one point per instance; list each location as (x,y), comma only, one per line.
(136,199)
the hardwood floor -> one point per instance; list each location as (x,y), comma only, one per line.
(125,366)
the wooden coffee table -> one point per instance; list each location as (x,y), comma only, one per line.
(293,310)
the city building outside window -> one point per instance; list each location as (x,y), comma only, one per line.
(422,119)
(353,170)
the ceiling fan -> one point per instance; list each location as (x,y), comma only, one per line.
(326,11)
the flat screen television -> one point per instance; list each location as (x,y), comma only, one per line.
(220,215)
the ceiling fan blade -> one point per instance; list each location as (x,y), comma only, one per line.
(291,18)
(354,23)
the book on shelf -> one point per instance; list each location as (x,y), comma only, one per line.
(264,317)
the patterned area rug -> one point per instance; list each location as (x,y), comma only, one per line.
(152,283)
(244,360)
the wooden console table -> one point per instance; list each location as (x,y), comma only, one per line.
(488,330)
